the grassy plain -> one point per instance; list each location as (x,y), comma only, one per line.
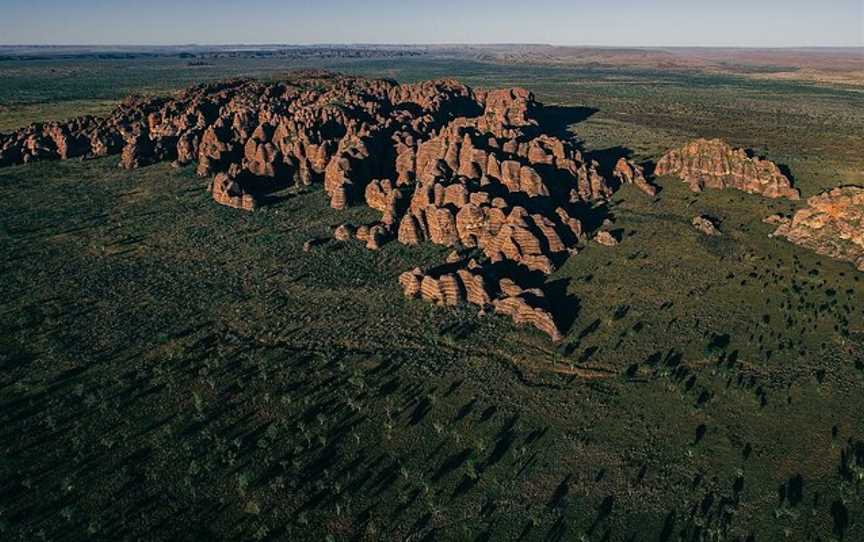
(172,369)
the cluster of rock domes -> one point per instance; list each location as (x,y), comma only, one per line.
(443,163)
(489,183)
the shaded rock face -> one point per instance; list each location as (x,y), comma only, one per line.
(832,224)
(441,162)
(711,163)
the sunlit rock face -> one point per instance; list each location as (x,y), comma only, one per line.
(712,163)
(832,224)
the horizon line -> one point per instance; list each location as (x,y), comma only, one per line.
(434,44)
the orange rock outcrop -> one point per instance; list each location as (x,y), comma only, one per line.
(712,163)
(832,224)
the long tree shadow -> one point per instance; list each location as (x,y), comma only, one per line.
(559,497)
(451,463)
(603,512)
(502,446)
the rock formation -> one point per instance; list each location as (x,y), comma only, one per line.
(705,224)
(832,224)
(228,192)
(776,219)
(442,163)
(606,239)
(705,163)
(629,172)
(529,307)
(344,232)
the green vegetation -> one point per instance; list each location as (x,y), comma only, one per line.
(173,369)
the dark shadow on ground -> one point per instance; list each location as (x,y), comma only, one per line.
(591,215)
(784,169)
(556,120)
(563,306)
(649,167)
(607,158)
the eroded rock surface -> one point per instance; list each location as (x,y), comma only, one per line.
(712,163)
(832,224)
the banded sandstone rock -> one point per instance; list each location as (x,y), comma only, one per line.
(606,239)
(227,191)
(628,172)
(344,232)
(529,307)
(705,163)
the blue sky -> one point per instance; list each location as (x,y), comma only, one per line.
(575,22)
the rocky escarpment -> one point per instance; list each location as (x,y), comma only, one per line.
(711,163)
(443,163)
(832,224)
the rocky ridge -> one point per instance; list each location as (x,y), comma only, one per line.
(712,163)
